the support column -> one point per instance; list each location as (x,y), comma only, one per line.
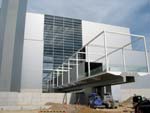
(12,23)
(68,72)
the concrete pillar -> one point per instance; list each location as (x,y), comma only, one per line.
(12,22)
(108,89)
(100,91)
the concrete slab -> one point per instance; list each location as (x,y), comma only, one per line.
(24,107)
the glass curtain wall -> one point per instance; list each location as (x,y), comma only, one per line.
(62,38)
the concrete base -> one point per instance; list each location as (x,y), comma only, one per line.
(31,90)
(33,99)
(24,107)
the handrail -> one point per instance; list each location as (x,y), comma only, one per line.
(99,69)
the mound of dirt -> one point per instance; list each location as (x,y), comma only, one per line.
(128,102)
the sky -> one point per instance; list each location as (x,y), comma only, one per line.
(134,14)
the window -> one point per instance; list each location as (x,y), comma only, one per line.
(62,37)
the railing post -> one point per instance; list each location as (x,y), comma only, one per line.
(77,71)
(146,55)
(47,85)
(53,80)
(88,59)
(50,81)
(105,90)
(105,47)
(68,72)
(57,77)
(124,60)
(62,80)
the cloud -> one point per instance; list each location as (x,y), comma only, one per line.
(127,13)
(94,10)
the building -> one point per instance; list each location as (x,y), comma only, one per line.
(56,39)
(66,38)
(50,40)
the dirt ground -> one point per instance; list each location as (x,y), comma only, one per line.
(125,107)
(75,109)
(78,110)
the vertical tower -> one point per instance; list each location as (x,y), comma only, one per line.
(12,22)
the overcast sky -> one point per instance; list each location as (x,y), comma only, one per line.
(134,14)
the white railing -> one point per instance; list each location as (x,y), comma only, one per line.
(113,51)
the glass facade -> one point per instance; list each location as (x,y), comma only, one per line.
(62,37)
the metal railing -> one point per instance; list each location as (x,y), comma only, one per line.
(115,51)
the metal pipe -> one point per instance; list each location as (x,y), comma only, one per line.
(68,72)
(50,82)
(128,34)
(62,80)
(124,60)
(77,71)
(105,47)
(117,50)
(77,59)
(86,44)
(70,65)
(146,55)
(89,71)
(53,81)
(57,77)
(102,33)
(56,70)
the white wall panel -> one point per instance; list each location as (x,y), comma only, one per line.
(91,29)
(34,26)
(32,66)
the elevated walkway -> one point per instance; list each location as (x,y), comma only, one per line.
(109,58)
(101,79)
